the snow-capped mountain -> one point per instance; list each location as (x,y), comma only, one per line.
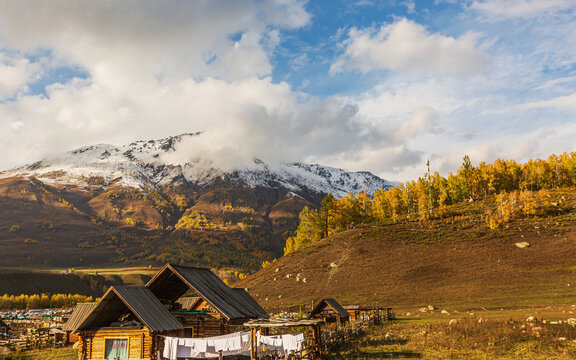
(145,164)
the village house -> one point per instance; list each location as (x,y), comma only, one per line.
(217,310)
(331,312)
(131,322)
(125,324)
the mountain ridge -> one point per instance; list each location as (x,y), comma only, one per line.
(151,163)
(130,204)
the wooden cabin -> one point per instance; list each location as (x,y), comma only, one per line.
(369,312)
(131,322)
(80,311)
(202,302)
(331,312)
(125,324)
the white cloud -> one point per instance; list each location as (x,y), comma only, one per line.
(560,102)
(139,38)
(407,46)
(410,6)
(422,121)
(156,69)
(508,9)
(15,72)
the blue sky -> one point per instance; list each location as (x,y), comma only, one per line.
(358,84)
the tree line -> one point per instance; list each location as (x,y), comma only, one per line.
(522,190)
(41,301)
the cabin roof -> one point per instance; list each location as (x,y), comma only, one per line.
(332,303)
(173,281)
(79,313)
(137,299)
(189,302)
(251,304)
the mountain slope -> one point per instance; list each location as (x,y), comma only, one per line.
(134,204)
(456,262)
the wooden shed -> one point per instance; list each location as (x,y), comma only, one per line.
(80,312)
(369,312)
(331,312)
(219,309)
(125,324)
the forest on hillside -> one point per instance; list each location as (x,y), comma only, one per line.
(520,190)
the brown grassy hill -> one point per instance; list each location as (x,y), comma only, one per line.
(455,261)
(18,282)
(214,225)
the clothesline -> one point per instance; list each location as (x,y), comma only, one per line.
(238,343)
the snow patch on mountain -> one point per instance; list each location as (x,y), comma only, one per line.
(146,164)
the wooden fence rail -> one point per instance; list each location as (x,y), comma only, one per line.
(330,340)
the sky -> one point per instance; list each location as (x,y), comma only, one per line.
(376,85)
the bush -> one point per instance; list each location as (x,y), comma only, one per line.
(14,228)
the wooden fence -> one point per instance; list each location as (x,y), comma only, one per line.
(330,339)
(35,339)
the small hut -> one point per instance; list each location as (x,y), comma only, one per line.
(331,312)
(217,309)
(126,324)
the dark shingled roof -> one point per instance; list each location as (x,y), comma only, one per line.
(333,304)
(251,304)
(173,281)
(80,312)
(137,299)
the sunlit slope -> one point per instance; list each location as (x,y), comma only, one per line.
(456,260)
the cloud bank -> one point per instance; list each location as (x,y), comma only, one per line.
(286,80)
(407,46)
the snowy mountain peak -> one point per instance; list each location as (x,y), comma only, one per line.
(145,164)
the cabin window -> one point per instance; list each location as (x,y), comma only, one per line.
(116,349)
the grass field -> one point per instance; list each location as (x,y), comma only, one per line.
(474,334)
(66,353)
(484,334)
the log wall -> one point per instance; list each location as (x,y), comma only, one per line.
(140,342)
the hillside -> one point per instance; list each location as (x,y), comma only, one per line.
(18,281)
(146,203)
(454,261)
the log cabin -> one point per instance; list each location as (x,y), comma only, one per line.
(369,312)
(126,323)
(131,322)
(331,312)
(217,310)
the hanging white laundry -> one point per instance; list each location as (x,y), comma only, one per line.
(292,342)
(273,342)
(170,348)
(182,350)
(205,348)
